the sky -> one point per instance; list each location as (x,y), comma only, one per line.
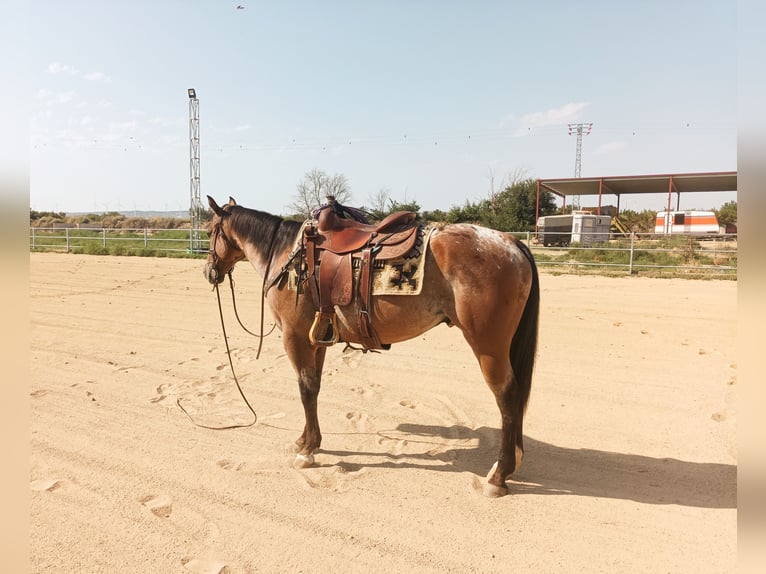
(428,101)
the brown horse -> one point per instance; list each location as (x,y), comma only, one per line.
(480,280)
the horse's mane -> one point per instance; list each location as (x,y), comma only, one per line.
(260,227)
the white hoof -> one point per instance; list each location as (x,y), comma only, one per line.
(493,491)
(303,460)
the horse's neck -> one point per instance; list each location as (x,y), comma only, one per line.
(258,255)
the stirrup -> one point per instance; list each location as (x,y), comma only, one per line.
(328,319)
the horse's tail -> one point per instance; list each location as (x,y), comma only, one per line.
(524,343)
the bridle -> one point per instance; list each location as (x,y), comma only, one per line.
(218,230)
(212,252)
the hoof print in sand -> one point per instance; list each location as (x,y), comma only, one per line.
(45,484)
(227,464)
(204,566)
(160,505)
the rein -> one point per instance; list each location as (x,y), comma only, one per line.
(236,380)
(236,314)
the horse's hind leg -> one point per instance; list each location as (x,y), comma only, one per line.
(499,376)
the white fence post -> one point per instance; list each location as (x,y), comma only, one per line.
(67,240)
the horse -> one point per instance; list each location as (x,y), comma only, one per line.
(482,281)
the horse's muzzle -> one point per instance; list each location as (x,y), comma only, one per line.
(212,274)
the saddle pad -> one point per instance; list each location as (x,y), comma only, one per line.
(402,276)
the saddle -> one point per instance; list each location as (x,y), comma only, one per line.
(334,246)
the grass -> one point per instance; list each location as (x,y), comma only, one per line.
(155,243)
(664,257)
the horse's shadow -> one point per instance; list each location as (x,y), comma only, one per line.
(553,470)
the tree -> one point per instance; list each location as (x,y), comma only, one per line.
(727,214)
(35,215)
(381,205)
(378,201)
(514,208)
(315,186)
(394,206)
(639,222)
(436,216)
(469,213)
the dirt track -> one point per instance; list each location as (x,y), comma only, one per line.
(630,435)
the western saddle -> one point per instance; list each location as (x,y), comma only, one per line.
(332,244)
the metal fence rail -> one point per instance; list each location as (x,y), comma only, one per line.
(631,253)
(119,241)
(648,252)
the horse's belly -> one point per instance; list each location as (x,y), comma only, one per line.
(395,318)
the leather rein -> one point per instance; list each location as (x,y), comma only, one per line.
(212,252)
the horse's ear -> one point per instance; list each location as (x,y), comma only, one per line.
(214,206)
(231,201)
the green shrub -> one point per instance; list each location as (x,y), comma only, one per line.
(118,249)
(94,248)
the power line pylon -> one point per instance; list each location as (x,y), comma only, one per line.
(579,130)
(195,205)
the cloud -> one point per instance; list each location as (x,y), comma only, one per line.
(552,117)
(163,122)
(123,126)
(243,128)
(59,68)
(49,97)
(506,121)
(96,77)
(610,147)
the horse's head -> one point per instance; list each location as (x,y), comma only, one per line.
(224,250)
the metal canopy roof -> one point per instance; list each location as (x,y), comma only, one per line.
(638,184)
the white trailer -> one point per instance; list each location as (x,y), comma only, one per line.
(579,227)
(686,223)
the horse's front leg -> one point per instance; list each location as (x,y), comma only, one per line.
(308,363)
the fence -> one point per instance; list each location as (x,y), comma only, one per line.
(146,241)
(629,253)
(646,253)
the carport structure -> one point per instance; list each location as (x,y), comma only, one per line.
(677,183)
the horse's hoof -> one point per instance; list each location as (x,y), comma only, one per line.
(494,491)
(303,460)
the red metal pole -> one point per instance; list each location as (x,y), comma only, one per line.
(600,185)
(537,207)
(667,213)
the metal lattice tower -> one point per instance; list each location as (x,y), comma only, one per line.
(195,206)
(579,130)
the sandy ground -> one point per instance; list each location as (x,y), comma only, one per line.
(630,435)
